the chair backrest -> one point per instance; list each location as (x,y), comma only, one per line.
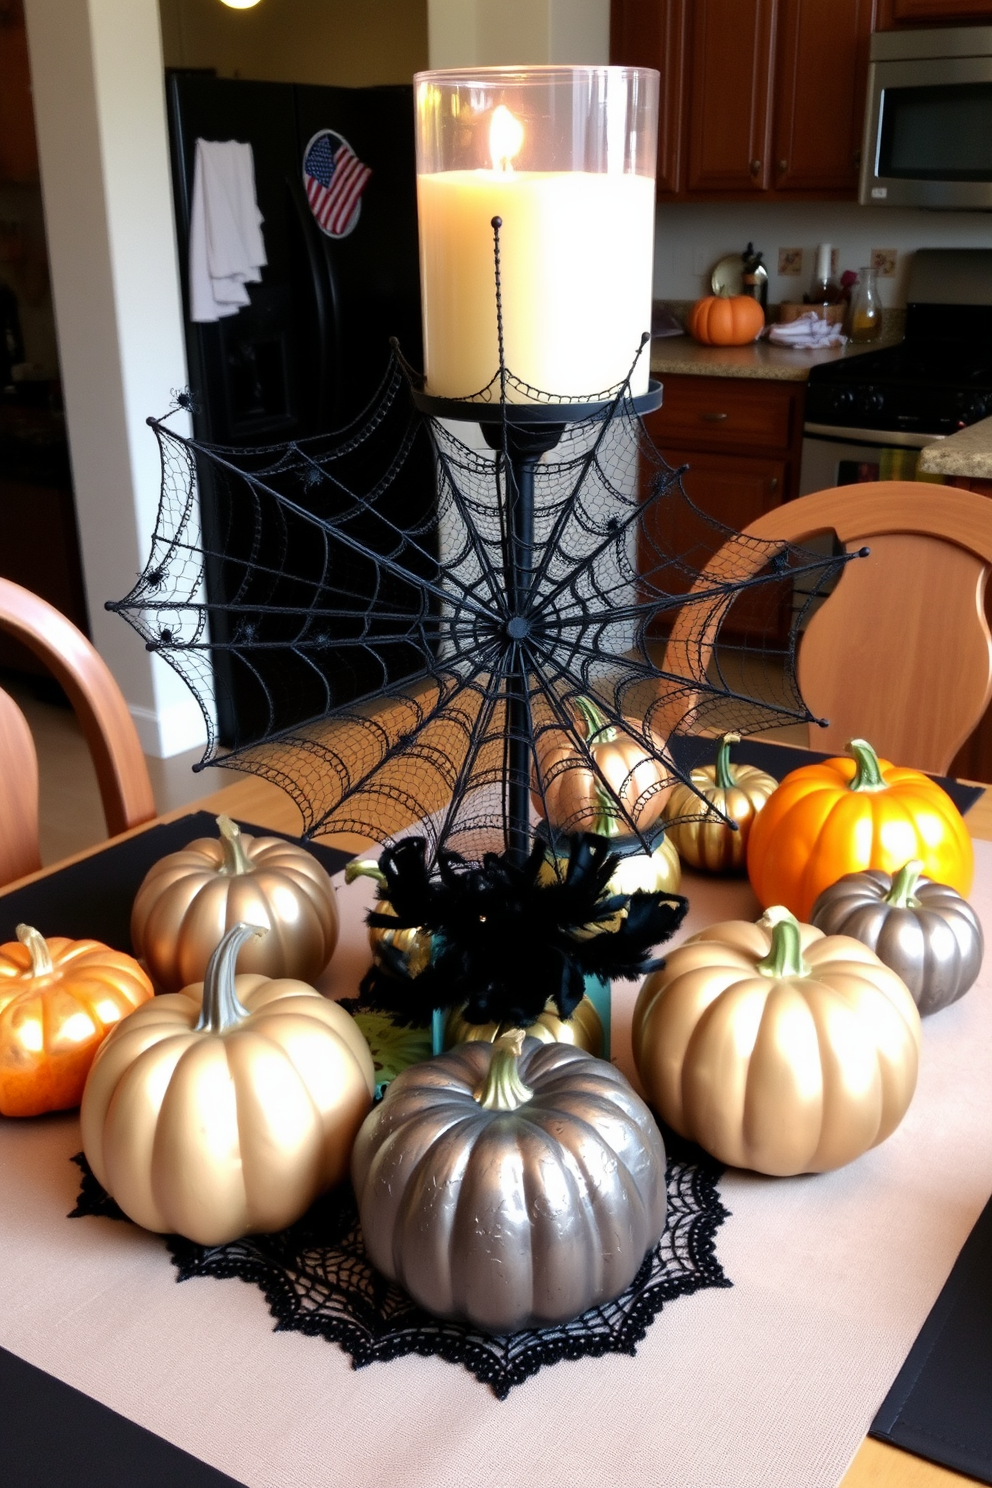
(900,653)
(122,774)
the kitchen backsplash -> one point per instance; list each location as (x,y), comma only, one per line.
(692,236)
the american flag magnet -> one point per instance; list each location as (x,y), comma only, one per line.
(334,179)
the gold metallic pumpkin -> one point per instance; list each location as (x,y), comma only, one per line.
(411,944)
(190,898)
(228,1107)
(571,784)
(737,792)
(513,1184)
(584,1029)
(775,1047)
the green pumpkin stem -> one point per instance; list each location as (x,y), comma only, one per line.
(365,868)
(868,775)
(236,860)
(598,730)
(220,1007)
(785,958)
(605,822)
(902,894)
(37,946)
(724,778)
(503,1089)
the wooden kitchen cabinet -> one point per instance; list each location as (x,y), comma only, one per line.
(18,146)
(821,75)
(656,28)
(769,94)
(729,64)
(741,440)
(894,15)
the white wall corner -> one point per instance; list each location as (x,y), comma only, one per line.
(172,728)
(97,77)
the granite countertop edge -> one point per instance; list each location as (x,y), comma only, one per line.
(967,454)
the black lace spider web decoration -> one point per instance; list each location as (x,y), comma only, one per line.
(317,1281)
(370,616)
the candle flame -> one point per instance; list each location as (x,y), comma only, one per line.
(506,135)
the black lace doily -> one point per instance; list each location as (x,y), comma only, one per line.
(317,1280)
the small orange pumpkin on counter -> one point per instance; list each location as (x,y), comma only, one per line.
(842,816)
(726,320)
(190,898)
(59,999)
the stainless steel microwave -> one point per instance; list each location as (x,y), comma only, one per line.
(928,121)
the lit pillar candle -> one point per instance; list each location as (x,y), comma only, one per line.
(576,245)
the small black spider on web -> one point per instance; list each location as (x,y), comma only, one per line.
(356,611)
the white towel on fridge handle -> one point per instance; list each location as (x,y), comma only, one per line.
(226,249)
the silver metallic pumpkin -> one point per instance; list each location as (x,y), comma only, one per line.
(923,931)
(513,1185)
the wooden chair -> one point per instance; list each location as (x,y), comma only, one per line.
(122,774)
(900,653)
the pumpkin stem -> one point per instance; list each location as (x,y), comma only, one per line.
(785,958)
(902,894)
(220,1007)
(503,1089)
(724,778)
(365,868)
(604,820)
(598,730)
(37,945)
(236,860)
(868,775)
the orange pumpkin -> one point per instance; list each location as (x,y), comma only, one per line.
(726,320)
(573,781)
(845,815)
(58,1001)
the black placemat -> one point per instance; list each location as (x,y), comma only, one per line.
(689,751)
(91,900)
(940,1406)
(54,1435)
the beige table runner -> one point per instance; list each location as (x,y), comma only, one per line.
(772,1382)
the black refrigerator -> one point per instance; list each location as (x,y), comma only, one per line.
(304,358)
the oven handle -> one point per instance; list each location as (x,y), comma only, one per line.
(884,438)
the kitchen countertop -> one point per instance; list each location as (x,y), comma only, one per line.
(968,453)
(760,359)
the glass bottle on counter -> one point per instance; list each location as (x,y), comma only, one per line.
(866,308)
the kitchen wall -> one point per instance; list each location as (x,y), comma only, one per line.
(693,236)
(350,42)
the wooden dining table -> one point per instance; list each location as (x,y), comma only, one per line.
(253,800)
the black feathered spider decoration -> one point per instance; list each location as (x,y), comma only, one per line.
(507,937)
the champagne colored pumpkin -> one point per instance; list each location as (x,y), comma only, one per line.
(513,1184)
(737,792)
(583,1029)
(575,796)
(58,1000)
(228,1107)
(924,931)
(776,1047)
(726,320)
(190,898)
(845,815)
